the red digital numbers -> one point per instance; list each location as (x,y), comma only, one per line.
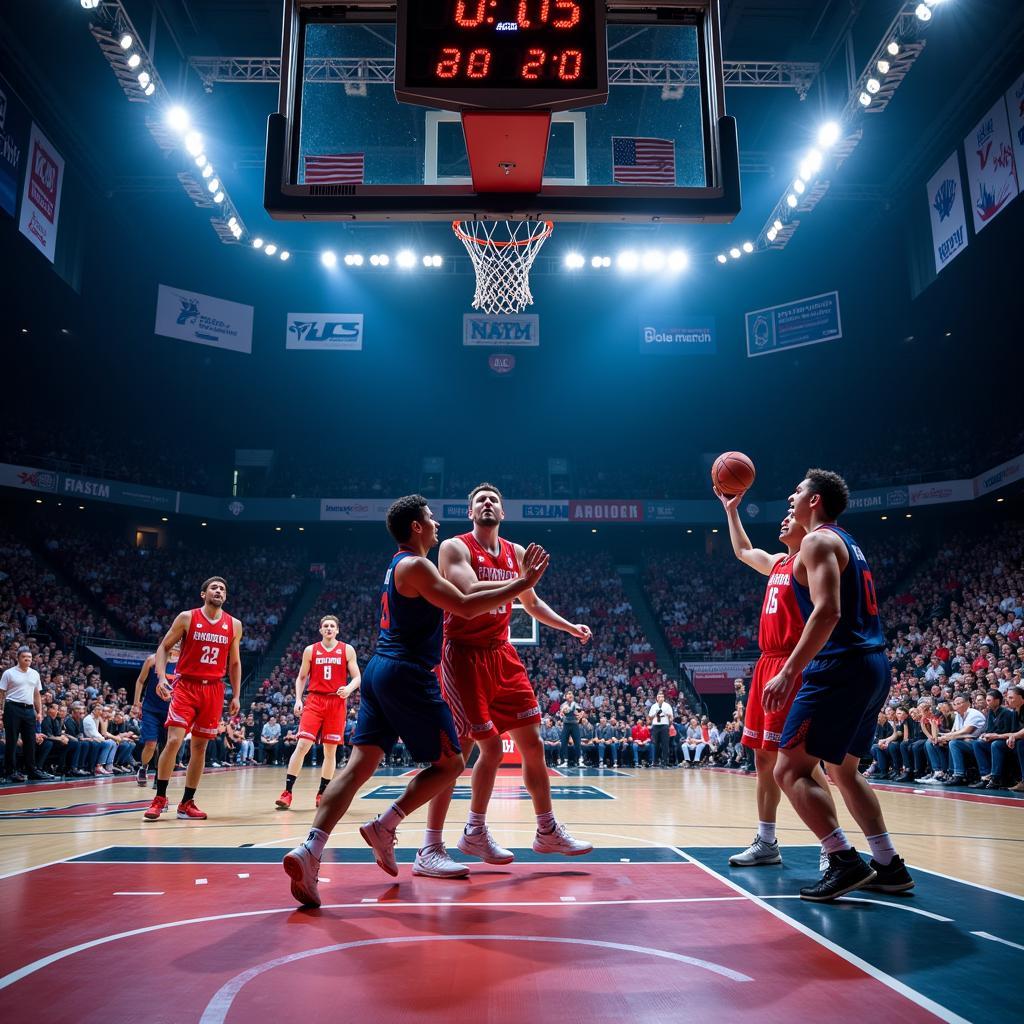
(571,13)
(448,66)
(571,19)
(478,63)
(534,64)
(523,14)
(477,19)
(570,64)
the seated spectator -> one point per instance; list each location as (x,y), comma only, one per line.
(551,737)
(968,724)
(271,738)
(990,748)
(694,745)
(93,725)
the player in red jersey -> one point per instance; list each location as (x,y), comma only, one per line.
(486,686)
(333,674)
(778,632)
(209,639)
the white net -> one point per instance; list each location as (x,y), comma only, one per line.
(502,252)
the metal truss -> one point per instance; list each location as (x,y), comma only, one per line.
(363,71)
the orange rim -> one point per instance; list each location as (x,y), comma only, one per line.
(539,237)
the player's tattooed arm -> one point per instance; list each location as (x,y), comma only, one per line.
(742,547)
(178,629)
(546,615)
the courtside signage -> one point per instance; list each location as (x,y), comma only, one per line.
(946,208)
(501,331)
(203,319)
(681,336)
(794,324)
(40,200)
(325,332)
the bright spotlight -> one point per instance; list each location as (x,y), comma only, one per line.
(595,261)
(791,200)
(828,134)
(772,234)
(722,258)
(218,197)
(349,258)
(873,85)
(893,48)
(126,41)
(150,89)
(380,259)
(207,167)
(653,260)
(143,78)
(678,260)
(213,184)
(923,12)
(799,187)
(385,259)
(194,143)
(748,246)
(201,160)
(257,243)
(864,99)
(573,260)
(134,61)
(735,253)
(406,259)
(328,258)
(883,67)
(178,119)
(374,260)
(777,224)
(811,164)
(270,249)
(90,5)
(357,259)
(628,260)
(436,260)
(285,255)
(232,223)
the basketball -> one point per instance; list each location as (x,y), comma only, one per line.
(732,473)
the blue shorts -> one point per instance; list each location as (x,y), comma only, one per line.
(152,725)
(836,709)
(400,698)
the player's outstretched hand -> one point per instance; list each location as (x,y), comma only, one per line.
(535,562)
(582,632)
(163,690)
(729,501)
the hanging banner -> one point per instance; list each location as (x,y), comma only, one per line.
(794,324)
(203,319)
(991,170)
(325,332)
(15,125)
(40,200)
(946,208)
(521,331)
(690,335)
(1015,111)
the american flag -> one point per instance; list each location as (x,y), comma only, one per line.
(334,169)
(643,161)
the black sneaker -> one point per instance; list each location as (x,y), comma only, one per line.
(954,780)
(846,872)
(891,877)
(980,784)
(141,775)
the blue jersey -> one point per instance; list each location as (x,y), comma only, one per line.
(859,627)
(150,699)
(410,627)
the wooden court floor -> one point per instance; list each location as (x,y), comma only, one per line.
(88,876)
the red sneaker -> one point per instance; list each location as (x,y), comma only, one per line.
(156,808)
(284,801)
(318,796)
(188,809)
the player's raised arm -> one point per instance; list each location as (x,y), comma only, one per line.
(178,629)
(418,577)
(756,558)
(545,614)
(355,677)
(300,679)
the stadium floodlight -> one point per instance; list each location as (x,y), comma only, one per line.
(799,187)
(735,253)
(748,246)
(777,224)
(923,12)
(722,258)
(194,143)
(791,200)
(627,261)
(90,5)
(375,260)
(285,255)
(126,41)
(406,259)
(270,248)
(144,79)
(595,261)
(873,85)
(653,260)
(207,167)
(357,259)
(150,89)
(177,118)
(828,134)
(213,184)
(232,222)
(380,259)
(257,243)
(573,261)
(328,259)
(201,160)
(678,259)
(864,99)
(883,67)
(893,48)
(436,260)
(772,234)
(134,61)
(219,196)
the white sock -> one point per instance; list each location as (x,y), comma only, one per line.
(432,837)
(475,823)
(766,831)
(882,849)
(316,841)
(836,842)
(391,818)
(546,821)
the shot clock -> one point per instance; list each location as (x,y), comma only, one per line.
(502,54)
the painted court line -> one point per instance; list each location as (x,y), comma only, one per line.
(942,1012)
(877,903)
(964,881)
(995,938)
(138,894)
(51,863)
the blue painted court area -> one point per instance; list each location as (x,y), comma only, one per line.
(929,939)
(564,792)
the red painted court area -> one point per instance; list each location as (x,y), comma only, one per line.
(587,942)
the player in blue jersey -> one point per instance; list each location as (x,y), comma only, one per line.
(151,709)
(841,659)
(401,694)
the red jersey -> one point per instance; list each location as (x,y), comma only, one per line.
(491,628)
(205,646)
(328,670)
(781,619)
(641,733)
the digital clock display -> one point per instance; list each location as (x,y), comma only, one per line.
(514,46)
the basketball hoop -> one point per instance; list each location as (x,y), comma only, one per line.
(502,252)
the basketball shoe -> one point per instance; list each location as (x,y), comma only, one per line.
(188,809)
(156,808)
(846,872)
(481,844)
(558,840)
(434,862)
(304,871)
(757,854)
(140,775)
(284,801)
(382,841)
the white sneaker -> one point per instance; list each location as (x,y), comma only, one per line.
(481,844)
(382,841)
(757,854)
(930,780)
(434,862)
(304,870)
(558,840)
(823,861)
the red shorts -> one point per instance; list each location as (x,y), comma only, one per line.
(762,729)
(323,718)
(487,690)
(196,707)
